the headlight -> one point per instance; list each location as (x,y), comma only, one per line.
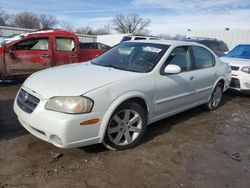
(246,69)
(71,105)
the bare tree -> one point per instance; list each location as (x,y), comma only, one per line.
(47,21)
(105,30)
(132,23)
(165,36)
(26,20)
(85,30)
(67,26)
(4,17)
(169,37)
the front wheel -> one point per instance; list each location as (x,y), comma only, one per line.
(126,127)
(216,97)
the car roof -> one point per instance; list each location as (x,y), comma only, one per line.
(167,42)
(45,31)
(203,39)
(142,36)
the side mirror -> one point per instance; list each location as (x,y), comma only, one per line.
(172,69)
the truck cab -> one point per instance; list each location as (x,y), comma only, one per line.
(27,53)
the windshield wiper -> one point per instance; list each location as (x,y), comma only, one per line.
(109,65)
(116,67)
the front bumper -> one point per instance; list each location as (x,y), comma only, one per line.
(240,81)
(47,125)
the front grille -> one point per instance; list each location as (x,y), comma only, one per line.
(235,83)
(235,68)
(26,101)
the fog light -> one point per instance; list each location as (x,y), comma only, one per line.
(56,139)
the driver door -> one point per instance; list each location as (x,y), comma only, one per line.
(28,56)
(175,92)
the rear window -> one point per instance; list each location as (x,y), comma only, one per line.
(88,45)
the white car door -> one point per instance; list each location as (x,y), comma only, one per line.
(205,74)
(175,92)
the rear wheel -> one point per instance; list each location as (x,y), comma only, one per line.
(216,97)
(126,127)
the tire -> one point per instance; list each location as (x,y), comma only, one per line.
(216,97)
(126,127)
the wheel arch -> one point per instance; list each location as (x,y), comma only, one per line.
(220,79)
(137,97)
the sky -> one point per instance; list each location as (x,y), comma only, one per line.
(167,16)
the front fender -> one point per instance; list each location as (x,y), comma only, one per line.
(117,102)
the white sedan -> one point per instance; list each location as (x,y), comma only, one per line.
(113,98)
(239,60)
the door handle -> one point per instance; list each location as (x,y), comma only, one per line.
(73,56)
(192,78)
(45,55)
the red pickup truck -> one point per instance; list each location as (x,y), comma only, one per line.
(27,53)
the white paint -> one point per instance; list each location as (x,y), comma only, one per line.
(164,95)
(243,77)
(110,40)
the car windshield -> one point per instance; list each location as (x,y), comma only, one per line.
(132,56)
(241,51)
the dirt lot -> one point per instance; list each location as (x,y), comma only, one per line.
(196,148)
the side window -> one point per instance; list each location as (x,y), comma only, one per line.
(140,38)
(125,39)
(181,56)
(85,45)
(104,47)
(65,44)
(203,58)
(32,44)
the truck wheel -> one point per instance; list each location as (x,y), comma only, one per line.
(215,98)
(126,127)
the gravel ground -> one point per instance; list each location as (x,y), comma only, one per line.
(196,148)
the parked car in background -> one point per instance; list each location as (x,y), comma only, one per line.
(92,49)
(239,60)
(219,47)
(27,53)
(114,97)
(137,37)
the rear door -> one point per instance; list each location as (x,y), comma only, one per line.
(205,73)
(65,51)
(28,56)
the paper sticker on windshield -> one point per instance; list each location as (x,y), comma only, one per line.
(126,51)
(152,49)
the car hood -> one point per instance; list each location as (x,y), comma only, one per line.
(74,79)
(240,62)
